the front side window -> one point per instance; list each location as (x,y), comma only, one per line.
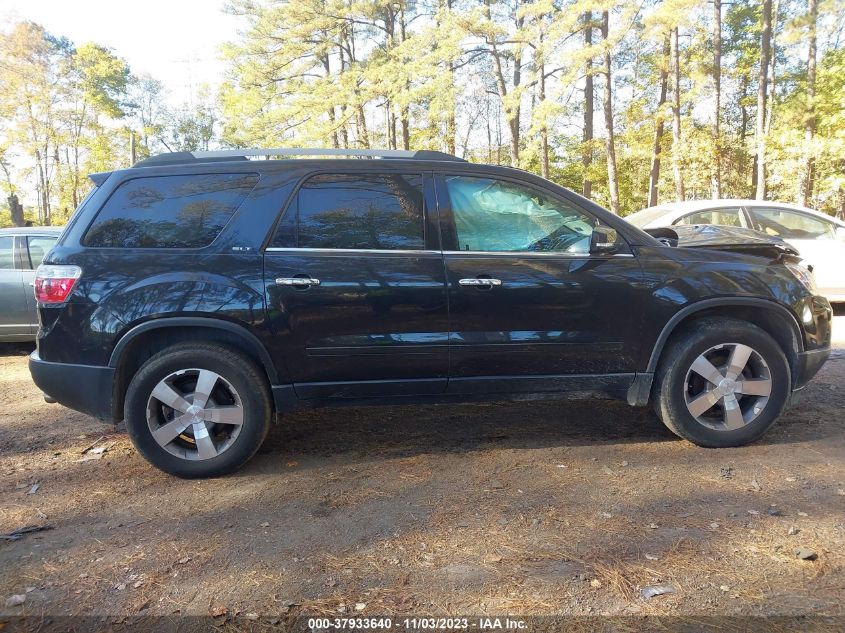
(500,216)
(169,211)
(38,245)
(792,224)
(355,211)
(723,217)
(7,260)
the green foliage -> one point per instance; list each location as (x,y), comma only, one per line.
(493,81)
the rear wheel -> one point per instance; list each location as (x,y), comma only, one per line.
(721,383)
(198,410)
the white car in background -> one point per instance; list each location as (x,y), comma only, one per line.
(818,237)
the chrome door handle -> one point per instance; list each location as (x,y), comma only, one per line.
(480,281)
(297,281)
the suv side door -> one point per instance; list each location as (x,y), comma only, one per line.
(355,287)
(531,309)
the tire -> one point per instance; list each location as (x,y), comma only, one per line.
(164,398)
(682,394)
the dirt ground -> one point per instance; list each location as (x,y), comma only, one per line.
(532,508)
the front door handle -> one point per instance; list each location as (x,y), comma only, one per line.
(480,282)
(297,282)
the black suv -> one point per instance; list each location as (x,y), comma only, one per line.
(196,294)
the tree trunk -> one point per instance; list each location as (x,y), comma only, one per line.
(716,179)
(841,212)
(43,192)
(544,132)
(451,126)
(612,178)
(513,121)
(406,128)
(512,113)
(772,61)
(810,117)
(324,59)
(765,47)
(361,124)
(344,131)
(404,111)
(654,176)
(387,121)
(16,210)
(589,107)
(675,62)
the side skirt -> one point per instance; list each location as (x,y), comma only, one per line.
(483,389)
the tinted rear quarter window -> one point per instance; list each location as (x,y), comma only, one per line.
(355,211)
(169,211)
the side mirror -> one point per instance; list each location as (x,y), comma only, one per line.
(840,233)
(604,240)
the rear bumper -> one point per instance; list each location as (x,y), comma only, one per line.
(84,388)
(809,364)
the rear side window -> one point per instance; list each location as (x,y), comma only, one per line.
(792,225)
(38,245)
(355,211)
(7,261)
(169,211)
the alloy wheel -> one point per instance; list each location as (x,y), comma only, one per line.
(728,386)
(195,414)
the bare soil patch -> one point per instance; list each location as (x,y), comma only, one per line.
(524,508)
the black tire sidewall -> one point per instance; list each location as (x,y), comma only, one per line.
(673,386)
(237,370)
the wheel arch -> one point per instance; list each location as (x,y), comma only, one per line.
(773,318)
(149,337)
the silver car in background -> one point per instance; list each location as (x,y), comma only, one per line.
(21,251)
(819,238)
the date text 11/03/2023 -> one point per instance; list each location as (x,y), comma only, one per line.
(419,624)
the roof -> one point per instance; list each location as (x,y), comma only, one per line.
(30,230)
(674,210)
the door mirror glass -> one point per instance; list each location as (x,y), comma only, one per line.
(604,240)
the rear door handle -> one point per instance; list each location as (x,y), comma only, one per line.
(480,282)
(300,282)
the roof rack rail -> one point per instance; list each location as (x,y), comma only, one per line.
(177,158)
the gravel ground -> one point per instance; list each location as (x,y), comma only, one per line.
(524,508)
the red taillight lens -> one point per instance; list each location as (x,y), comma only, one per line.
(53,284)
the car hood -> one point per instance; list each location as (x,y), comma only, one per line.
(725,238)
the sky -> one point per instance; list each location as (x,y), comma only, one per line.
(175,41)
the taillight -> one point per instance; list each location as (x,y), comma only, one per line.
(53,284)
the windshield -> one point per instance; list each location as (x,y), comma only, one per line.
(646,216)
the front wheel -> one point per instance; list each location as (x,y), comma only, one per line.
(198,410)
(721,383)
